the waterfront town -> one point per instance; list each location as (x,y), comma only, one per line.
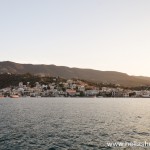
(69,88)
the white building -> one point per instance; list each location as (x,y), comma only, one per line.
(20,84)
(91,92)
(81,88)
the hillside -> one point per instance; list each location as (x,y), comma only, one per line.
(66,72)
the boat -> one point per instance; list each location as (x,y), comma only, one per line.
(14,96)
(146,96)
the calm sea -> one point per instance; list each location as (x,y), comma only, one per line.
(73,123)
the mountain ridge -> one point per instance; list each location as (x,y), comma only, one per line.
(113,77)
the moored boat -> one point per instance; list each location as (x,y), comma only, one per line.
(14,96)
(146,96)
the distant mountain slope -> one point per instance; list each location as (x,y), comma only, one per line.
(142,77)
(66,72)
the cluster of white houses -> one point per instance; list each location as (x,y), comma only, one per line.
(70,88)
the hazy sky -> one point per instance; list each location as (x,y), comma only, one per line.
(98,34)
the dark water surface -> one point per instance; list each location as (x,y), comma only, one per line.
(72,123)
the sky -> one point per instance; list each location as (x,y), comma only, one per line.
(108,35)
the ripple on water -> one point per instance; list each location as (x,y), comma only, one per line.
(61,124)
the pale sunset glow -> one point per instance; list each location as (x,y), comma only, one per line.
(98,34)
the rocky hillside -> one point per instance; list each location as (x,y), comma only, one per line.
(66,72)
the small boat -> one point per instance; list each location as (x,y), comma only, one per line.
(14,96)
(146,96)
